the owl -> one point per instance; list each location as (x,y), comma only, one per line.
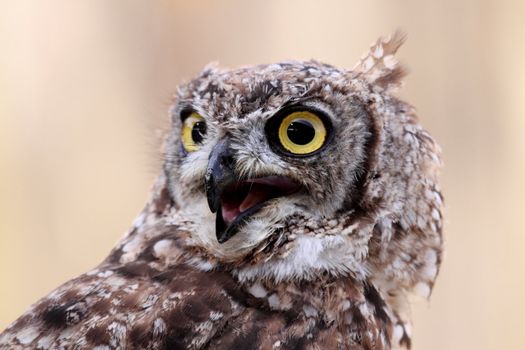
(298,207)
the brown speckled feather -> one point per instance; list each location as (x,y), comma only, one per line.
(327,265)
(136,306)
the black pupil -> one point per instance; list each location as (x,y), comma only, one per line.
(301,132)
(198,132)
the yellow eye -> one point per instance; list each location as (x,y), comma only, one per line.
(193,131)
(301,132)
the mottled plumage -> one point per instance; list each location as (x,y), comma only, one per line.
(334,242)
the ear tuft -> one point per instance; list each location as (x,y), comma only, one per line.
(379,66)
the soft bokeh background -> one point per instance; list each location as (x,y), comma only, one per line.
(85,86)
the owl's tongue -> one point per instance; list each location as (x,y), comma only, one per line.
(245,195)
(256,195)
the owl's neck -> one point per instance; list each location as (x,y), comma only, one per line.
(300,282)
(163,235)
(355,307)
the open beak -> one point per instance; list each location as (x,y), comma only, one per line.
(235,201)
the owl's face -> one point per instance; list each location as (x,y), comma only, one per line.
(255,147)
(294,169)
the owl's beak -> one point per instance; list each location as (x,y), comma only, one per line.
(219,174)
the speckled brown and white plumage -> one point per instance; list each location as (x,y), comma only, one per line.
(327,268)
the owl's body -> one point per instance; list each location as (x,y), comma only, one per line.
(263,236)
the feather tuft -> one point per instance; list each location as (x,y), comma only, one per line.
(379,66)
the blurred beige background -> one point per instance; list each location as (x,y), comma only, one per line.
(85,86)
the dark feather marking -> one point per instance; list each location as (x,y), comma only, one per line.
(97,335)
(405,340)
(244,331)
(258,97)
(195,309)
(249,339)
(297,342)
(357,318)
(180,331)
(140,335)
(101,306)
(372,295)
(163,201)
(56,315)
(116,253)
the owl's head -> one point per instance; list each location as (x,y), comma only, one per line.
(303,165)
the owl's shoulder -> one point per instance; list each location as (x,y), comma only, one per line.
(183,307)
(128,304)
